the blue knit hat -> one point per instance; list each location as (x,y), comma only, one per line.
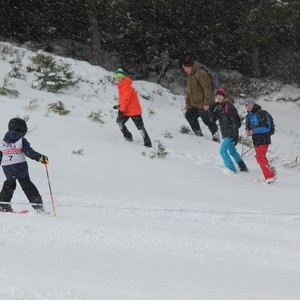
(119,73)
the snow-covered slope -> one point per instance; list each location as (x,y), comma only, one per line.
(131,227)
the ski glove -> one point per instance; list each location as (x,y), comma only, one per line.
(116,106)
(235,140)
(44,159)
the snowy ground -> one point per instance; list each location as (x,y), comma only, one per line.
(131,227)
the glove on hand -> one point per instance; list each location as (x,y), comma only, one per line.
(116,106)
(235,140)
(44,159)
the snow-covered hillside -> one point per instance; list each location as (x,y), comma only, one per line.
(130,227)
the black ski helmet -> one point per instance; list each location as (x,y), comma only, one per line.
(17,124)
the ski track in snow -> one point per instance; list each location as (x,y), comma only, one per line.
(198,236)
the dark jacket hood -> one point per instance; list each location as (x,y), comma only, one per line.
(255,108)
(12,136)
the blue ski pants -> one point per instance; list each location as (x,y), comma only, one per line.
(227,148)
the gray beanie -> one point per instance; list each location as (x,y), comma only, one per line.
(250,101)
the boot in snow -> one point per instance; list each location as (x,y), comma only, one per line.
(242,166)
(199,132)
(5,208)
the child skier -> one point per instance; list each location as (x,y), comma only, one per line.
(13,149)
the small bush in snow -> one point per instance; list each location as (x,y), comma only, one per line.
(6,89)
(151,112)
(293,163)
(51,76)
(168,135)
(26,118)
(58,108)
(17,67)
(185,129)
(246,141)
(7,51)
(159,151)
(146,97)
(96,116)
(78,152)
(33,104)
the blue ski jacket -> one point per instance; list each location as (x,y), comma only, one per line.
(258,122)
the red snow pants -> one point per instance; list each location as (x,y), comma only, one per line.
(261,158)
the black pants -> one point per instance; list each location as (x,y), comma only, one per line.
(138,121)
(192,114)
(29,189)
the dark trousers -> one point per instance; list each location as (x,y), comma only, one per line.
(28,187)
(192,114)
(138,122)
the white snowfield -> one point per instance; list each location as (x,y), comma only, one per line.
(133,228)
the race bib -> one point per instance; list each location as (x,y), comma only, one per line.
(12,153)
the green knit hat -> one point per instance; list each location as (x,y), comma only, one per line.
(119,73)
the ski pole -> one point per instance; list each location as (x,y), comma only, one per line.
(51,196)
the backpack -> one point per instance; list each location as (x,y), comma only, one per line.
(271,120)
(239,123)
(215,82)
(272,125)
(231,100)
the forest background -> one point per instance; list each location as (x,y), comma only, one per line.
(257,38)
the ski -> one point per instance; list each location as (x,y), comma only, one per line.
(25,212)
(22,212)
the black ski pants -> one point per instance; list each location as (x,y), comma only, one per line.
(192,114)
(138,122)
(27,186)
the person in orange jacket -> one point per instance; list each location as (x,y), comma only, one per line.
(129,107)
